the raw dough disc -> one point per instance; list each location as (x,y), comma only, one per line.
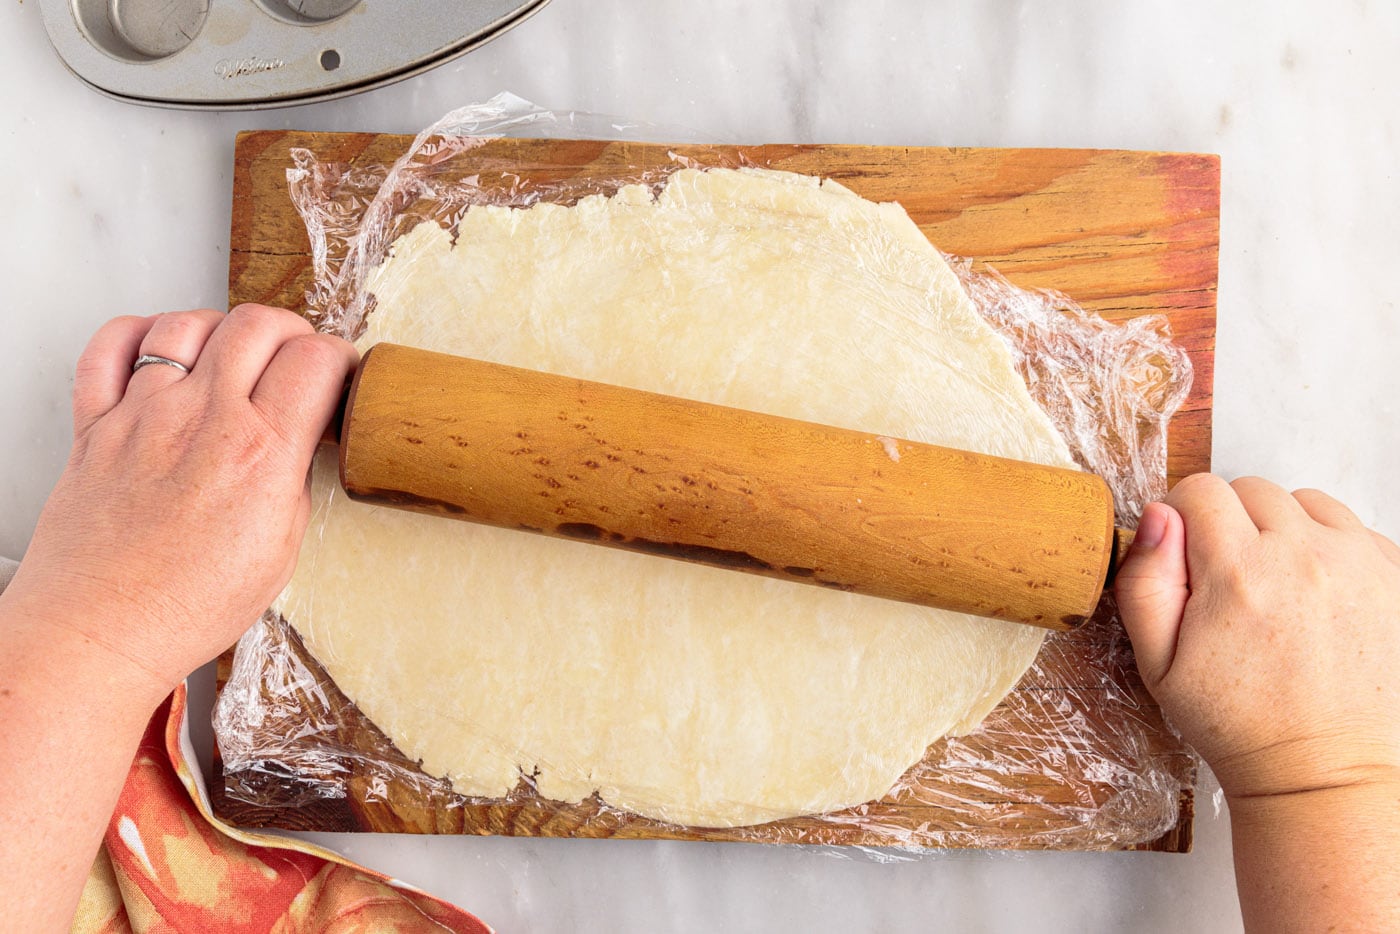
(683,693)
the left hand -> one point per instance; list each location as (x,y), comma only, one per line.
(180,513)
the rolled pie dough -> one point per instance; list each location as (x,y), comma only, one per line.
(683,693)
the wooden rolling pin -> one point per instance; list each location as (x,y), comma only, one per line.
(725,487)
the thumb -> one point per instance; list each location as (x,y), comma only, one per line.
(1152,588)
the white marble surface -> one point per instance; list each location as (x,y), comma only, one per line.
(111,208)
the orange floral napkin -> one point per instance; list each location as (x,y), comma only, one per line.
(168,865)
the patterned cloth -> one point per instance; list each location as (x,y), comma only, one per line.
(168,865)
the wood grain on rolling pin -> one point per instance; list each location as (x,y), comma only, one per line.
(717,485)
(1124,234)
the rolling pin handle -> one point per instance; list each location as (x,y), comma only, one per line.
(1122,543)
(336,425)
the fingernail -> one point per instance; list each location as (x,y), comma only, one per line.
(1151,528)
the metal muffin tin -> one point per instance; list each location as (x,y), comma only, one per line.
(248,54)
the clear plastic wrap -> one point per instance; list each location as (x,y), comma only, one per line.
(1074,757)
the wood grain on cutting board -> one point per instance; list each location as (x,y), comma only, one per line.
(1122,233)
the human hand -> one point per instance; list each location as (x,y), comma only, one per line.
(179,515)
(1268,627)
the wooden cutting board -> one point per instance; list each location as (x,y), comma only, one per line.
(1122,233)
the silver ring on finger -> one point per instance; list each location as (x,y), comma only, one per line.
(146,359)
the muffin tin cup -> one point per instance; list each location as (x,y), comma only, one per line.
(243,54)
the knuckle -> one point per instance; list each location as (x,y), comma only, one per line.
(1316,499)
(315,350)
(253,315)
(314,359)
(1199,481)
(308,345)
(265,317)
(1195,486)
(179,324)
(127,322)
(112,334)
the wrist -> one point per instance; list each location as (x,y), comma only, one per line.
(1368,787)
(54,647)
(1319,859)
(1365,753)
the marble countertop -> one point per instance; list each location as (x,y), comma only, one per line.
(115,209)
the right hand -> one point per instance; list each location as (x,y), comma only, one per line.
(1267,625)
